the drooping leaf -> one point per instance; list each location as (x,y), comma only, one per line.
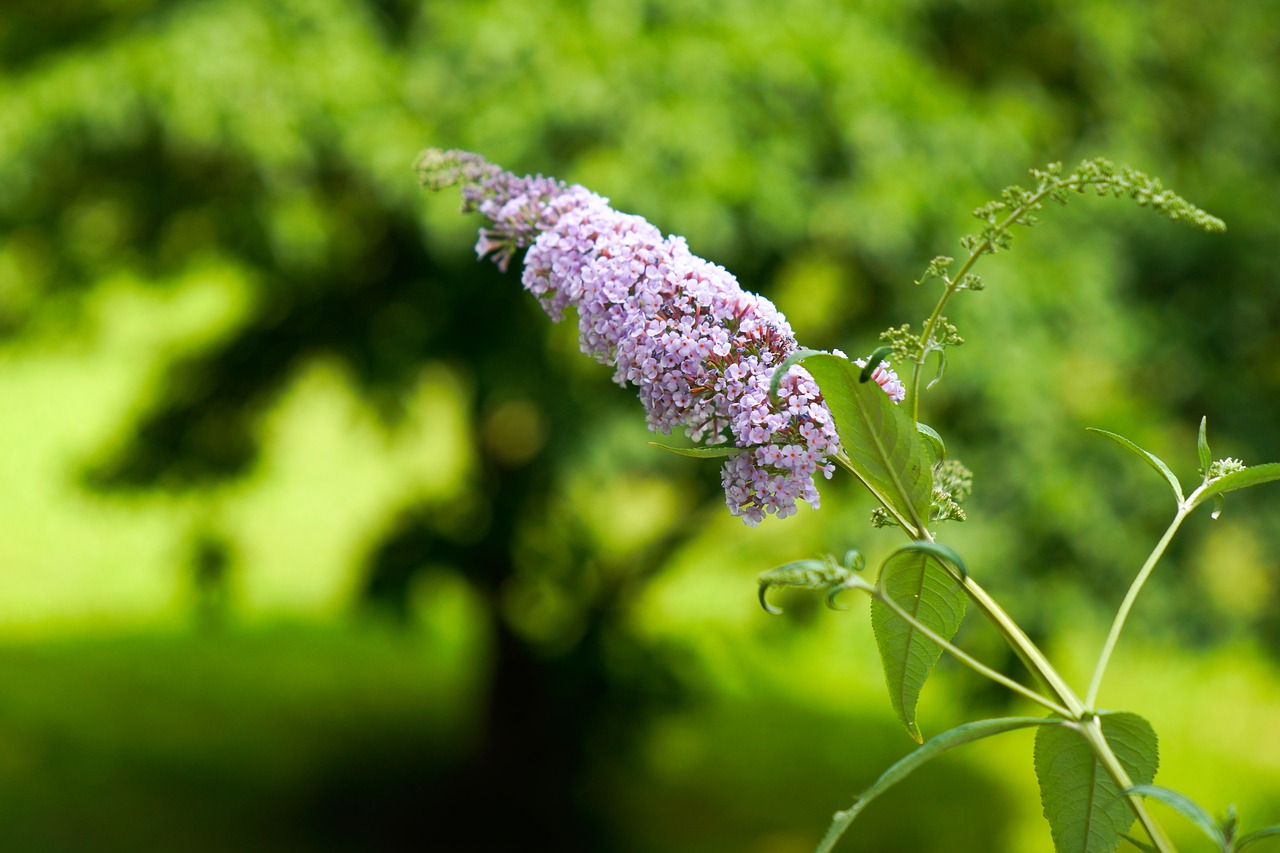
(1085,808)
(920,584)
(942,368)
(935,746)
(1187,807)
(937,549)
(805,574)
(879,438)
(1150,458)
(1202,447)
(933,441)
(1252,476)
(795,358)
(873,361)
(713,452)
(1257,835)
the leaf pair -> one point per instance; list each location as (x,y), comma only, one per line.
(1212,487)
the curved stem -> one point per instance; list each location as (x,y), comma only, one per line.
(953,285)
(1122,615)
(953,282)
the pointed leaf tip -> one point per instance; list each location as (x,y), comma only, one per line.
(764,602)
(715,451)
(1202,447)
(935,746)
(916,580)
(1150,458)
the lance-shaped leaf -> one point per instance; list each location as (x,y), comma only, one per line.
(1202,448)
(1086,810)
(1188,808)
(877,436)
(716,451)
(1150,458)
(1256,835)
(1242,479)
(935,746)
(920,584)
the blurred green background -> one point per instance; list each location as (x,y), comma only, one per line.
(319,537)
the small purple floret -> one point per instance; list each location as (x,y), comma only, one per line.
(699,349)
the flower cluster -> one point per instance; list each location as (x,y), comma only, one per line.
(699,349)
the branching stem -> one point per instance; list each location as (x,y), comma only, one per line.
(953,283)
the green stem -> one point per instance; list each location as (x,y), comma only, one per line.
(977,666)
(1122,615)
(1092,731)
(911,530)
(1065,702)
(953,283)
(1030,654)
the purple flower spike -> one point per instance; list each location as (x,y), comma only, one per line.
(699,349)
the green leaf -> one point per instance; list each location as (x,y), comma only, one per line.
(942,368)
(1150,458)
(1187,807)
(787,363)
(1202,445)
(879,438)
(933,441)
(942,552)
(806,574)
(921,585)
(1252,476)
(1086,810)
(873,361)
(935,746)
(1257,835)
(714,452)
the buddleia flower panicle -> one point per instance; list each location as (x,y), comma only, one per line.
(699,349)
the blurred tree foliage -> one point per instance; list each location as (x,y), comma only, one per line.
(821,151)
